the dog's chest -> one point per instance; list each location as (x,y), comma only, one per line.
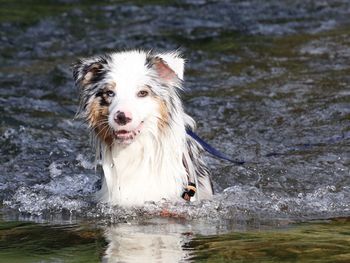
(139,173)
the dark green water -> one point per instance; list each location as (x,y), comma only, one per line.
(267,82)
(172,241)
(307,242)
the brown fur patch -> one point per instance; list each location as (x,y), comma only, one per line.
(92,72)
(163,121)
(97,115)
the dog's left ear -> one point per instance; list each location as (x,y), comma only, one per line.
(169,66)
(175,62)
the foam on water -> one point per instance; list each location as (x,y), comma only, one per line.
(234,203)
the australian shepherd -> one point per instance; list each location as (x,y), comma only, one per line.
(130,101)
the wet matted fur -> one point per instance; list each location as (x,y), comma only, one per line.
(131,103)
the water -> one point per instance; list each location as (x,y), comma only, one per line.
(164,240)
(267,82)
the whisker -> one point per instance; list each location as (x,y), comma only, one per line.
(103,128)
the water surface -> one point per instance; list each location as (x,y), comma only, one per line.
(164,240)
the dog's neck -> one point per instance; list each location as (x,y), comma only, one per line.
(150,168)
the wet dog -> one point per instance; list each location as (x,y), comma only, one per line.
(131,103)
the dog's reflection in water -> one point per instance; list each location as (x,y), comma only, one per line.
(149,242)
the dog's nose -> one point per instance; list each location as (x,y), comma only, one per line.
(122,118)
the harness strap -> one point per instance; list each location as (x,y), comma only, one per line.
(191,189)
(189,192)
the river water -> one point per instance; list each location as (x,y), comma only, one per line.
(266,81)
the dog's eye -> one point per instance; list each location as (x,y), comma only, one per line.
(142,93)
(110,93)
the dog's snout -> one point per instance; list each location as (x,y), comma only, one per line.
(122,118)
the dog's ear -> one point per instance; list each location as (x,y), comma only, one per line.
(175,62)
(169,66)
(87,71)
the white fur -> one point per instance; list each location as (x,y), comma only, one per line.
(150,165)
(150,168)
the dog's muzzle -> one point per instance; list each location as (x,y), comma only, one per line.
(127,136)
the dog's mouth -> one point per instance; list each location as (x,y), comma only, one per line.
(127,136)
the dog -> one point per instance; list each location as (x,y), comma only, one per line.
(131,103)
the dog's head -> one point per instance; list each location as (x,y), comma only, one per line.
(128,93)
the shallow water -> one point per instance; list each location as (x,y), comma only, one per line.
(267,82)
(171,240)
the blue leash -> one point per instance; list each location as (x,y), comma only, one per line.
(210,149)
(216,153)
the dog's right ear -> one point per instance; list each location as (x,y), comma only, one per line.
(87,71)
